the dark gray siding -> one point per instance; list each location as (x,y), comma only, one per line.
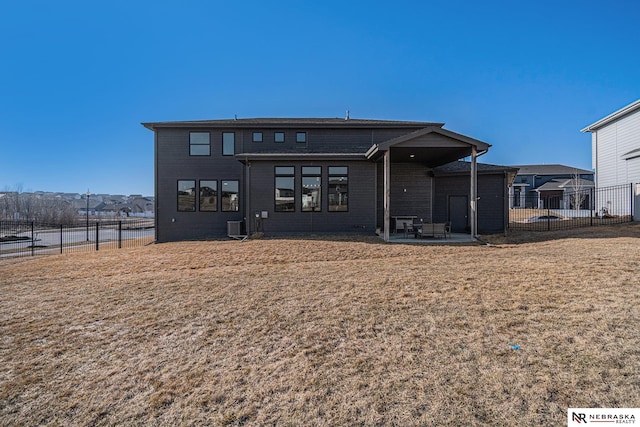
(174,163)
(411,191)
(492,190)
(360,217)
(318,140)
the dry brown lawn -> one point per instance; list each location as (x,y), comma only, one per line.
(323,332)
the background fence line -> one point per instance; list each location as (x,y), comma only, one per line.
(30,238)
(572,209)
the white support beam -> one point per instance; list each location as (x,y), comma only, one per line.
(387,194)
(474,192)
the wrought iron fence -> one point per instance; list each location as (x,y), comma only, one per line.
(29,238)
(559,210)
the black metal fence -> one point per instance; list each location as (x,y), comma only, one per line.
(560,210)
(29,238)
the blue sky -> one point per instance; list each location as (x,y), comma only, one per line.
(78,77)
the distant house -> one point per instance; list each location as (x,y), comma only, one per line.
(320,175)
(615,153)
(550,187)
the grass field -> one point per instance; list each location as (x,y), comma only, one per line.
(324,332)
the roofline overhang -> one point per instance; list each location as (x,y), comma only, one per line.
(267,123)
(377,150)
(612,117)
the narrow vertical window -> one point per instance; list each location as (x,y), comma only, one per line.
(311,188)
(208,195)
(278,136)
(199,144)
(338,191)
(187,195)
(230,197)
(285,200)
(228,143)
(301,137)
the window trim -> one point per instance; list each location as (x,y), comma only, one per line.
(215,207)
(277,175)
(224,146)
(222,181)
(304,175)
(253,137)
(191,144)
(195,196)
(275,139)
(304,141)
(329,175)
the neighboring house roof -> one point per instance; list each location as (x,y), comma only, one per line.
(550,170)
(279,123)
(562,184)
(634,106)
(463,167)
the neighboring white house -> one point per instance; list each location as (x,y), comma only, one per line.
(615,144)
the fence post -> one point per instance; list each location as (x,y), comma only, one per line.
(97,236)
(119,234)
(592,203)
(33,241)
(60,238)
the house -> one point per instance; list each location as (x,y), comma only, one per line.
(550,186)
(615,154)
(320,175)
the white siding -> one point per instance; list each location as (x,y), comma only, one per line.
(613,141)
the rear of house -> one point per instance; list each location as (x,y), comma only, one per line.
(302,176)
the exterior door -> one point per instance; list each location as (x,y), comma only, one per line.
(459,213)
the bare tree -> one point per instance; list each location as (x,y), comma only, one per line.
(579,192)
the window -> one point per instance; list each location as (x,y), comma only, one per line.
(311,188)
(230,196)
(278,136)
(187,195)
(208,196)
(257,137)
(199,144)
(285,198)
(301,137)
(338,189)
(228,143)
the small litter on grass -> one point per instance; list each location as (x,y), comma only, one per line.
(515,347)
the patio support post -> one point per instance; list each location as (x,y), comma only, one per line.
(474,192)
(387,193)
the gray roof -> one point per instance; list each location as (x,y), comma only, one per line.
(562,184)
(465,167)
(290,123)
(550,170)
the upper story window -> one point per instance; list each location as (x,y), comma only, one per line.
(278,136)
(199,144)
(228,143)
(311,188)
(257,137)
(301,137)
(285,196)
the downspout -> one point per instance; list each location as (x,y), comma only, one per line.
(155,190)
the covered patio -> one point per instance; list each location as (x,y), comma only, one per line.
(406,184)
